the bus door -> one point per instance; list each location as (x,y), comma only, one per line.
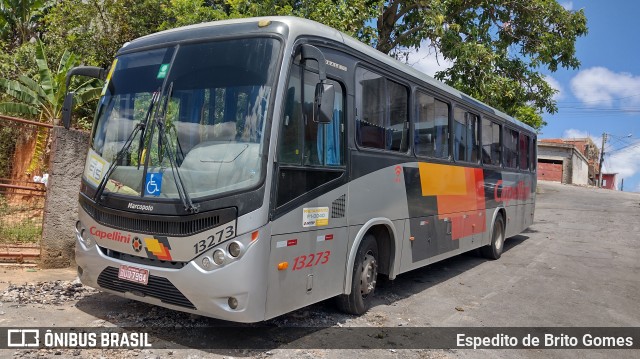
(309,229)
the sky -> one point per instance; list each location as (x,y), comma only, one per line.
(603,94)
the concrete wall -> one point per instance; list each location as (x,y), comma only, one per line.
(580,169)
(66,164)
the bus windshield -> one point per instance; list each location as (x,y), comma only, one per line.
(189,116)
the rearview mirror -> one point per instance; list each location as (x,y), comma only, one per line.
(67,107)
(323,103)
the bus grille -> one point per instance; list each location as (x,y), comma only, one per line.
(173,226)
(157,287)
(141,260)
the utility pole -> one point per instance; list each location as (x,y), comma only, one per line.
(604,139)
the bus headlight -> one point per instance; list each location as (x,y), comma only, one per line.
(218,257)
(235,248)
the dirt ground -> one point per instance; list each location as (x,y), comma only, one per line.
(577,266)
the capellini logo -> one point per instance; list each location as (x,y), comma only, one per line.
(141,207)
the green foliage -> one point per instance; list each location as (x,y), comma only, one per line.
(498,48)
(96,29)
(20,20)
(20,61)
(8,139)
(41,97)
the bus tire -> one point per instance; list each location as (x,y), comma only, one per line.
(494,250)
(364,278)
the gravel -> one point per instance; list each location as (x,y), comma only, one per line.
(55,292)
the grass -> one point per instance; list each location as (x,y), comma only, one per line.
(25,231)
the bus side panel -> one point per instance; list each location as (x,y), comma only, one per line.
(379,193)
(314,272)
(315,255)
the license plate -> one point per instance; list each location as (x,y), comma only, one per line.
(133,274)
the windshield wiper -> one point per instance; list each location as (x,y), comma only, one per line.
(139,127)
(145,123)
(163,141)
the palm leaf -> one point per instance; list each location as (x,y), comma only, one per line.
(67,60)
(19,92)
(86,95)
(19,109)
(44,72)
(32,85)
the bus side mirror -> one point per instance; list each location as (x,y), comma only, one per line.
(67,107)
(323,103)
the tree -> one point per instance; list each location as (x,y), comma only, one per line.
(96,29)
(498,48)
(20,19)
(41,98)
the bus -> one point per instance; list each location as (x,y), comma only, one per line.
(243,169)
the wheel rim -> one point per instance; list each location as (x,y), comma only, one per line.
(499,238)
(368,275)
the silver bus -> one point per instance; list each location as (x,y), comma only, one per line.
(243,169)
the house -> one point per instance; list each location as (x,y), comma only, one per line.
(587,148)
(609,181)
(562,162)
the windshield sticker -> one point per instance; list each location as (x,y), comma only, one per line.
(162,73)
(153,184)
(95,167)
(312,217)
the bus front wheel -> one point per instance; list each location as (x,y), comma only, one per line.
(364,278)
(494,250)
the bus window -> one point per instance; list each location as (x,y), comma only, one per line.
(306,149)
(302,140)
(383,106)
(511,148)
(432,127)
(371,121)
(399,102)
(491,146)
(465,129)
(525,147)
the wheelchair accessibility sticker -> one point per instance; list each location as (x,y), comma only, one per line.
(153,184)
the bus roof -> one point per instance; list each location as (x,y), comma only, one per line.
(293,28)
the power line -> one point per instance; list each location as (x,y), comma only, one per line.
(613,99)
(628,147)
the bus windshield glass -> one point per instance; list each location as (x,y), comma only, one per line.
(190,117)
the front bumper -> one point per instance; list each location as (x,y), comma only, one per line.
(191,288)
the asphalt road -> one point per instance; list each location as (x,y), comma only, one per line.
(577,266)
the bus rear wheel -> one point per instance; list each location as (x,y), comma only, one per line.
(494,250)
(364,279)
